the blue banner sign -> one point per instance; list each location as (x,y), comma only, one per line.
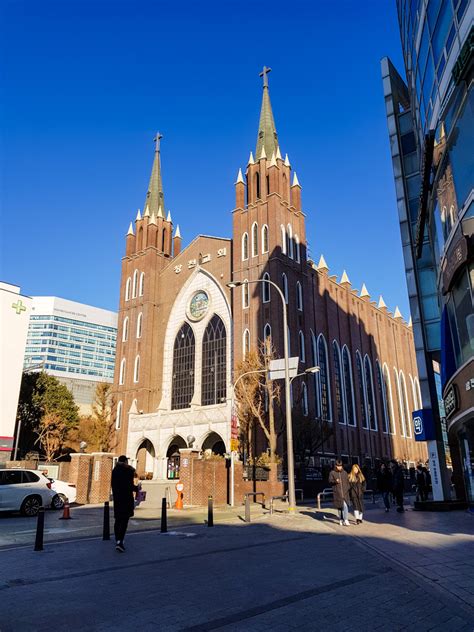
(423,426)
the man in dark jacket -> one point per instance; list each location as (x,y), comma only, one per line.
(122,490)
(340,486)
(398,481)
(421,487)
(385,485)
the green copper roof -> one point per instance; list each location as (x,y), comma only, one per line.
(267,135)
(155,197)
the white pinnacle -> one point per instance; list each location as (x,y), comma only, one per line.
(397,313)
(263,154)
(177,232)
(160,212)
(168,218)
(278,155)
(344,278)
(153,218)
(130,230)
(381,303)
(295,180)
(147,211)
(240,178)
(287,161)
(273,162)
(139,216)
(364,292)
(322,265)
(251,160)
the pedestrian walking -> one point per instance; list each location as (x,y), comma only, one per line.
(427,474)
(421,486)
(339,482)
(398,484)
(123,488)
(385,485)
(357,487)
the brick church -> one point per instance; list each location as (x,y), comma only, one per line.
(182,331)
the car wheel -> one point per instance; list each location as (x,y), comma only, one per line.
(58,501)
(30,506)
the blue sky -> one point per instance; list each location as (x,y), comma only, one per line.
(88,83)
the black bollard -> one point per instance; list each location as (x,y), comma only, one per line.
(39,530)
(247,509)
(164,525)
(106,527)
(210,511)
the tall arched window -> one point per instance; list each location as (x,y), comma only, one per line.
(418,392)
(254,239)
(363,401)
(314,354)
(415,387)
(297,249)
(340,411)
(283,239)
(139,325)
(184,351)
(324,379)
(245,246)
(141,285)
(299,296)
(289,232)
(406,407)
(128,287)
(369,385)
(245,294)
(122,372)
(383,397)
(136,369)
(401,408)
(257,185)
(135,284)
(284,279)
(388,395)
(302,349)
(214,356)
(118,416)
(267,332)
(266,288)
(125,329)
(246,342)
(348,387)
(265,238)
(304,399)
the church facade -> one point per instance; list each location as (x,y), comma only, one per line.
(182,331)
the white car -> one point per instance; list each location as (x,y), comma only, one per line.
(26,491)
(65,491)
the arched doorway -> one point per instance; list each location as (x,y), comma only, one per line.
(214,442)
(173,458)
(145,459)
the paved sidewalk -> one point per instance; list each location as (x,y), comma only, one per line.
(278,573)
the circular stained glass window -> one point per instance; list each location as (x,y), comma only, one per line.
(199,305)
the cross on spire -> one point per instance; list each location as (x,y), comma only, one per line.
(157,140)
(264,74)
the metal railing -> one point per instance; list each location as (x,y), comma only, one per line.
(328,491)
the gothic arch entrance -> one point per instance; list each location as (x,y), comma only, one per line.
(145,459)
(214,442)
(173,457)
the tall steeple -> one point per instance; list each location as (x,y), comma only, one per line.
(155,197)
(267,138)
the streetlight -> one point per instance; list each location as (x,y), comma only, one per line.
(289,427)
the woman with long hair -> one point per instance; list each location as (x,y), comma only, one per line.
(356,491)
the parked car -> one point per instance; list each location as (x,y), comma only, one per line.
(65,491)
(26,491)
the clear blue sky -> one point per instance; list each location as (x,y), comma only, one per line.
(88,83)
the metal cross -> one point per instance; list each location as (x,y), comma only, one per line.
(264,74)
(19,307)
(157,139)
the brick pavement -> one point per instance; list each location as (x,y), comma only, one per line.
(279,573)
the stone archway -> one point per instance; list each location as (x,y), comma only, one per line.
(145,459)
(173,456)
(214,442)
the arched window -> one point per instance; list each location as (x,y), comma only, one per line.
(405,406)
(369,385)
(246,342)
(401,408)
(245,294)
(324,379)
(388,394)
(415,387)
(214,365)
(265,238)
(418,392)
(122,372)
(135,284)
(267,332)
(289,233)
(118,416)
(297,249)
(304,399)
(254,239)
(383,397)
(283,239)
(141,285)
(184,350)
(245,246)
(284,279)
(257,185)
(299,296)
(128,287)
(348,387)
(302,349)
(139,325)
(140,238)
(363,401)
(338,396)
(136,369)
(125,329)
(266,288)
(314,357)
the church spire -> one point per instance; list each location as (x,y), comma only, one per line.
(267,139)
(154,196)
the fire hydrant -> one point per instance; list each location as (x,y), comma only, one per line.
(179,495)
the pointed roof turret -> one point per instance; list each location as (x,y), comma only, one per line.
(130,229)
(364,293)
(278,154)
(160,212)
(155,196)
(168,217)
(267,138)
(381,303)
(322,265)
(139,216)
(287,161)
(273,162)
(397,313)
(240,177)
(147,211)
(295,180)
(344,278)
(251,159)
(177,232)
(153,219)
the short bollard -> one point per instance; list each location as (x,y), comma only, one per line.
(247,509)
(39,530)
(210,511)
(106,526)
(164,525)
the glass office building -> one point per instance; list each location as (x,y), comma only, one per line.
(430,116)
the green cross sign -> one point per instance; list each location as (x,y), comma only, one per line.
(19,307)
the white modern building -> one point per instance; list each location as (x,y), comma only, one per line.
(15,309)
(74,342)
